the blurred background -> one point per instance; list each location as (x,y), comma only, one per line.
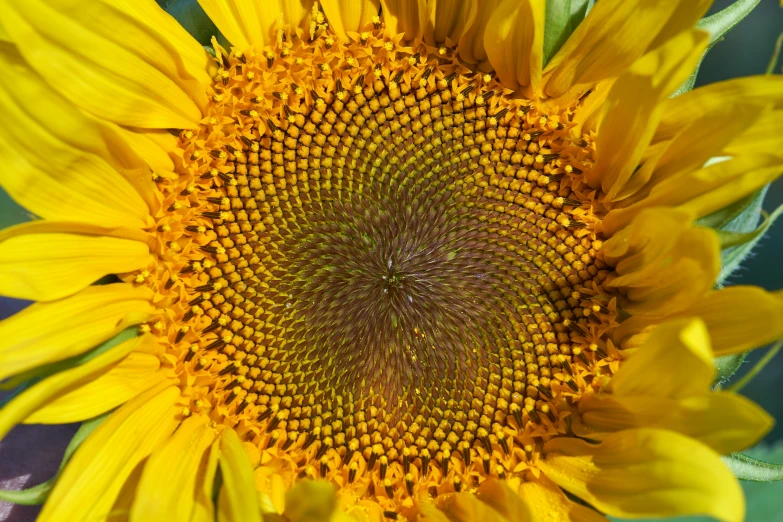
(31,454)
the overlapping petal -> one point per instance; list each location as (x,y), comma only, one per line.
(352,15)
(169,484)
(105,61)
(666,383)
(101,466)
(514,42)
(48,332)
(246,23)
(646,473)
(118,384)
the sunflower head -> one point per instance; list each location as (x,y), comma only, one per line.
(386,264)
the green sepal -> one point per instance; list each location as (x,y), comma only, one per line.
(727,365)
(738,245)
(739,229)
(718,25)
(557,26)
(740,236)
(39,493)
(748,468)
(192,17)
(36,374)
(562,17)
(737,240)
(725,216)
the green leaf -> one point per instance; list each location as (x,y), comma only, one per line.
(39,493)
(192,17)
(739,229)
(748,468)
(557,26)
(11,213)
(727,365)
(718,25)
(36,374)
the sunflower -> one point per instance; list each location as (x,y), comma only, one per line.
(377,262)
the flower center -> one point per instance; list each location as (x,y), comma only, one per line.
(386,263)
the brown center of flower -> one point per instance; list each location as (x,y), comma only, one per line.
(387,265)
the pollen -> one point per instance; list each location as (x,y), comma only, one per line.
(380,268)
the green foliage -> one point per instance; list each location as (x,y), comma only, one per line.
(39,493)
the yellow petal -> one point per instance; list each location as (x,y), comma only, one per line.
(203,506)
(646,473)
(765,135)
(102,464)
(702,191)
(685,17)
(196,61)
(548,503)
(724,421)
(46,267)
(41,226)
(133,375)
(449,19)
(310,501)
(349,15)
(153,147)
(48,332)
(606,43)
(681,111)
(465,507)
(631,110)
(67,183)
(662,264)
(703,139)
(471,44)
(103,61)
(740,318)
(404,16)
(296,12)
(246,23)
(591,108)
(32,98)
(502,499)
(238,500)
(21,407)
(514,42)
(674,362)
(169,480)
